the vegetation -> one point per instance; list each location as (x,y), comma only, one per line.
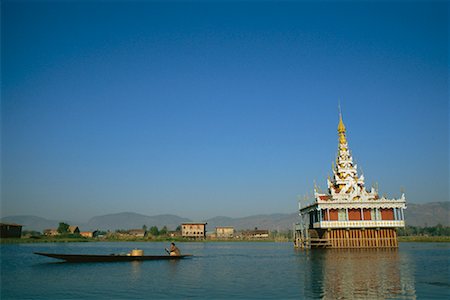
(437,230)
(427,239)
(280,236)
(163,231)
(436,233)
(154,231)
(45,239)
(31,234)
(63,228)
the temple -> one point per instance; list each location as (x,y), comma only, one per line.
(348,215)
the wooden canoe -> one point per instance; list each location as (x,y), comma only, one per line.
(109,258)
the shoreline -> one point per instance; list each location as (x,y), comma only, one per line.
(424,239)
(401,239)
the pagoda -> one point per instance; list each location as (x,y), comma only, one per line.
(348,215)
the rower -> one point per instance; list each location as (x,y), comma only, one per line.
(174,251)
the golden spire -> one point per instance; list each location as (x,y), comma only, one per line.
(341,126)
(341,129)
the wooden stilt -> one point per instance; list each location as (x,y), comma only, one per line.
(359,238)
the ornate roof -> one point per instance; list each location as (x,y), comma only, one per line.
(346,186)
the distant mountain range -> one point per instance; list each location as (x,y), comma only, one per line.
(428,214)
(125,220)
(129,220)
(272,222)
(33,222)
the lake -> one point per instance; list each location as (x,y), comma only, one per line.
(259,270)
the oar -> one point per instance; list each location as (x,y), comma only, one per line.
(168,252)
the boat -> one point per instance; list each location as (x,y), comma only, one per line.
(135,255)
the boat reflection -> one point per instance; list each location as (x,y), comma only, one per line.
(136,270)
(361,273)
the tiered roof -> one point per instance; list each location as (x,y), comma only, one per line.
(345,183)
(346,186)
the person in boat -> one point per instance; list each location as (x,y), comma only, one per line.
(174,251)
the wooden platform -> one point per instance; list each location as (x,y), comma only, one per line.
(319,243)
(362,238)
(349,238)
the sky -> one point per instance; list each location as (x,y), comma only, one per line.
(204,109)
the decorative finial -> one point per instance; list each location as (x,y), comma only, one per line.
(341,128)
(339,107)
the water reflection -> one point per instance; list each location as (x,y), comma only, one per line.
(136,270)
(360,273)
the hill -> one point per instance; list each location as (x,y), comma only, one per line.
(272,222)
(130,220)
(427,214)
(31,222)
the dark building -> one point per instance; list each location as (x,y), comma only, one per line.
(255,234)
(10,230)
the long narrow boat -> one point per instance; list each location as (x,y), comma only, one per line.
(110,258)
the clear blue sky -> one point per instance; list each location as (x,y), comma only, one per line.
(206,109)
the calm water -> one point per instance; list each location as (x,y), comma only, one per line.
(228,270)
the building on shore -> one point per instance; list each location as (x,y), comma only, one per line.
(255,234)
(51,232)
(140,233)
(73,229)
(8,230)
(195,230)
(87,234)
(348,215)
(224,232)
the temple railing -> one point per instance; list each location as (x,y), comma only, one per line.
(359,224)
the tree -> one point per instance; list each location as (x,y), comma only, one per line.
(163,231)
(178,228)
(144,227)
(31,233)
(63,228)
(154,231)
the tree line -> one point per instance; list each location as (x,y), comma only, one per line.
(153,230)
(438,230)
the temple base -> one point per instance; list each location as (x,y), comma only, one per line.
(349,238)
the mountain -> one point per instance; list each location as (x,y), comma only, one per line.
(427,214)
(31,222)
(130,220)
(272,222)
